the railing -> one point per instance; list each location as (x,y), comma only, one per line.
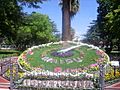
(5,46)
(56,84)
(7,64)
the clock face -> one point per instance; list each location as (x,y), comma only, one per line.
(61,57)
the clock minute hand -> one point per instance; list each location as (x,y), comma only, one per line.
(68,49)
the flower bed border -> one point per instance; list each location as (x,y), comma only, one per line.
(60,42)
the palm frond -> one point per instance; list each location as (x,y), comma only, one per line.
(74,7)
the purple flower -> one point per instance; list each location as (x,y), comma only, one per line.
(59,54)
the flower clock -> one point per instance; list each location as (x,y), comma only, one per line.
(63,58)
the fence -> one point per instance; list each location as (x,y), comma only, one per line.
(5,46)
(56,84)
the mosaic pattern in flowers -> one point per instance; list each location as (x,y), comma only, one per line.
(71,58)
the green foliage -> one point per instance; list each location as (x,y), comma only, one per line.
(10,18)
(37,29)
(74,6)
(92,35)
(107,24)
(31,3)
(110,21)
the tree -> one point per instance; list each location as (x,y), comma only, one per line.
(69,9)
(109,21)
(113,21)
(38,29)
(92,35)
(31,3)
(10,18)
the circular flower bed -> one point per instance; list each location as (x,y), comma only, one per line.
(63,59)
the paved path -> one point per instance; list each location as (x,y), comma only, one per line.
(4,84)
(115,86)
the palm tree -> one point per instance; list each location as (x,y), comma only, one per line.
(69,9)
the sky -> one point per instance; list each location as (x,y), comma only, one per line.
(80,22)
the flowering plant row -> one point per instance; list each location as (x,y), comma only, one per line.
(60,54)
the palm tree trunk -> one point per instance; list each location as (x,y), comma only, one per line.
(66,20)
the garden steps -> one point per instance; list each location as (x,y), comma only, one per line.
(4,83)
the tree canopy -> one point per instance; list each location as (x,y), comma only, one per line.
(107,23)
(22,29)
(38,29)
(10,18)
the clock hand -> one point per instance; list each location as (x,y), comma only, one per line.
(68,49)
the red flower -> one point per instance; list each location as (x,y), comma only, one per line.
(30,52)
(98,52)
(57,69)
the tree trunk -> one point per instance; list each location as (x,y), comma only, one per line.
(66,35)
